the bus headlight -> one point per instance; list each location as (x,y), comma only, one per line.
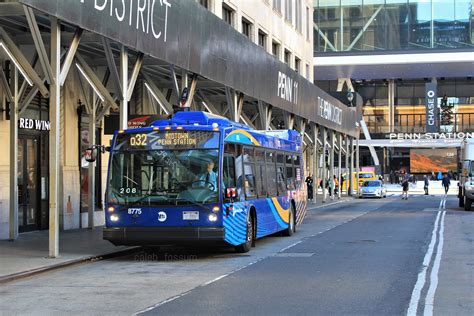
(111,209)
(114,218)
(212,217)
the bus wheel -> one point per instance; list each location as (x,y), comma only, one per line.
(245,247)
(291,224)
(467,204)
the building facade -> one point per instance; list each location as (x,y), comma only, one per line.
(392,53)
(137,63)
(282,27)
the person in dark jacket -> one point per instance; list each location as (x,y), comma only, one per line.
(405,189)
(446,183)
(427,184)
(309,184)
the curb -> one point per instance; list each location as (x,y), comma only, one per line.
(90,259)
(344,199)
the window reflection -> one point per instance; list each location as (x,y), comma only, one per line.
(368,25)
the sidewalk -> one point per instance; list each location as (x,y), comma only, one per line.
(29,253)
(319,203)
(435,187)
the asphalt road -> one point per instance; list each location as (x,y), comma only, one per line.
(358,257)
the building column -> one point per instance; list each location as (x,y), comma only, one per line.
(91,169)
(124,86)
(346,141)
(391,105)
(54,138)
(315,162)
(14,158)
(339,164)
(351,167)
(331,158)
(323,173)
(357,165)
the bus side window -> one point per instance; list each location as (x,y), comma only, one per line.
(281,175)
(249,173)
(238,170)
(297,170)
(260,173)
(271,173)
(228,168)
(290,180)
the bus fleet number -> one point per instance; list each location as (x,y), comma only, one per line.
(128,190)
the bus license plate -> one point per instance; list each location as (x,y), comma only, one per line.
(191,216)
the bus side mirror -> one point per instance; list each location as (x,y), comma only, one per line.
(231,193)
(91,154)
(107,148)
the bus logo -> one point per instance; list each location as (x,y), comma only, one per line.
(162,216)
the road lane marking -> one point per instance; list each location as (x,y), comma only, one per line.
(420,282)
(150,308)
(429,301)
(290,246)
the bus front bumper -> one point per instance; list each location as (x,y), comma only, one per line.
(155,236)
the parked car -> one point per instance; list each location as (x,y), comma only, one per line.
(373,188)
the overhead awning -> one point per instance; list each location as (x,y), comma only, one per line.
(185,34)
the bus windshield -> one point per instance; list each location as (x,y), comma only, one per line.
(164,177)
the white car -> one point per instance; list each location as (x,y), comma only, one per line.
(373,188)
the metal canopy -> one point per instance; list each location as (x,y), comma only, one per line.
(184,34)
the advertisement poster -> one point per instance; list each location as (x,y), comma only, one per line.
(433,160)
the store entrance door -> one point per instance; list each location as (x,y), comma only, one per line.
(28,187)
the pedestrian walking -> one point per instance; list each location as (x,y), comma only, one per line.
(330,186)
(440,175)
(446,183)
(309,185)
(336,186)
(405,189)
(427,184)
(392,176)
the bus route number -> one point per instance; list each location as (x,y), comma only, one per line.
(138,140)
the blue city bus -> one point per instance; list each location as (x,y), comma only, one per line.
(201,178)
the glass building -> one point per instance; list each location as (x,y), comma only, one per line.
(388,51)
(377,25)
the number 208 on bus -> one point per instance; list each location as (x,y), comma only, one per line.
(199,178)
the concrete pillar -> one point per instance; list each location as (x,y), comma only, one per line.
(323,173)
(351,167)
(357,165)
(91,169)
(339,164)
(348,175)
(315,162)
(331,158)
(124,86)
(14,157)
(391,105)
(54,139)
